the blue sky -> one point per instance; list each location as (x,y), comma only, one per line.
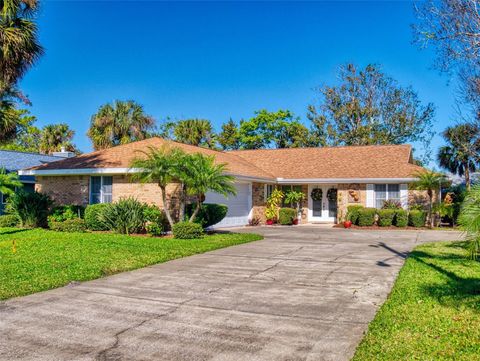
(218,60)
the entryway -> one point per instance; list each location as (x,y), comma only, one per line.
(322,203)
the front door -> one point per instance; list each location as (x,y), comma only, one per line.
(322,203)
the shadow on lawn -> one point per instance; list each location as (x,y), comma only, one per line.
(13,231)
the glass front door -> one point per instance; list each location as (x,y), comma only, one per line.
(322,203)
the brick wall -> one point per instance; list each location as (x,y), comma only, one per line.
(350,194)
(65,189)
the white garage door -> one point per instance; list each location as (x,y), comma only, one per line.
(238,205)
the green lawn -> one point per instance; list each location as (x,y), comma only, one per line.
(46,259)
(433,312)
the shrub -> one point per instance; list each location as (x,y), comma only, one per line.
(9,220)
(92,220)
(353,213)
(254,221)
(154,229)
(32,208)
(385,217)
(401,218)
(187,230)
(417,218)
(62,213)
(125,216)
(209,214)
(366,216)
(69,225)
(154,214)
(391,204)
(286,216)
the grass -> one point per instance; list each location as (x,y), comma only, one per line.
(433,311)
(47,259)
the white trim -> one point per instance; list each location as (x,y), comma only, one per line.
(370,201)
(78,171)
(343,180)
(404,195)
(325,204)
(102,193)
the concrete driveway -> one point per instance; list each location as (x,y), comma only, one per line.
(303,293)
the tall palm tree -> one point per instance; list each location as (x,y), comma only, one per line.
(19,46)
(461,155)
(197,132)
(469,219)
(53,137)
(158,165)
(429,181)
(8,182)
(202,175)
(119,123)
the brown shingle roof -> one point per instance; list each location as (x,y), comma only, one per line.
(387,161)
(376,161)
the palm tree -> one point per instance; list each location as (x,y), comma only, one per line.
(119,123)
(461,155)
(54,137)
(429,181)
(469,219)
(159,165)
(19,47)
(202,175)
(197,132)
(8,182)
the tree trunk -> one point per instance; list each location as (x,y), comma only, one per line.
(197,209)
(166,206)
(467,177)
(182,197)
(430,210)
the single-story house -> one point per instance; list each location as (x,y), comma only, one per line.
(331,178)
(13,161)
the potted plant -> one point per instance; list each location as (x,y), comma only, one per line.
(271,212)
(294,199)
(347,223)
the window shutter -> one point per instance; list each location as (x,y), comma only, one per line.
(370,196)
(404,195)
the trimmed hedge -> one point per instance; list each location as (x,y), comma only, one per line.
(209,214)
(286,216)
(366,217)
(187,230)
(70,225)
(92,213)
(385,217)
(401,218)
(353,213)
(417,218)
(154,229)
(9,220)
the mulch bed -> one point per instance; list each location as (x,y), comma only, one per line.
(340,225)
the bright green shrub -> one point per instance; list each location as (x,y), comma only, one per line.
(92,220)
(154,229)
(9,220)
(32,208)
(286,216)
(385,217)
(69,225)
(353,213)
(401,218)
(153,214)
(366,217)
(187,230)
(209,214)
(417,218)
(125,216)
(62,213)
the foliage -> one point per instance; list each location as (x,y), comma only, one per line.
(432,312)
(31,207)
(187,230)
(26,135)
(119,123)
(417,207)
(62,213)
(9,220)
(209,214)
(401,218)
(294,198)
(469,219)
(9,182)
(273,202)
(461,155)
(154,229)
(391,204)
(286,216)
(369,107)
(353,212)
(229,137)
(198,132)
(124,217)
(254,221)
(54,137)
(385,217)
(92,217)
(417,218)
(46,259)
(155,215)
(366,217)
(429,181)
(68,225)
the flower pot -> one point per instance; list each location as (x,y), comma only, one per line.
(269,222)
(295,221)
(347,224)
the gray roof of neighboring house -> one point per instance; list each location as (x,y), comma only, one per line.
(13,160)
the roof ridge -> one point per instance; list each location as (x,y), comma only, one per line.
(321,147)
(32,153)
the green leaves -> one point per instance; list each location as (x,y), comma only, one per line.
(8,182)
(469,219)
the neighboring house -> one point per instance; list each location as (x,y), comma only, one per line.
(364,175)
(13,161)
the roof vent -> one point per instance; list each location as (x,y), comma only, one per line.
(63,153)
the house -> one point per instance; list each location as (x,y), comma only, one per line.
(13,161)
(331,178)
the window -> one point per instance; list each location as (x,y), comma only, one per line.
(101,189)
(384,192)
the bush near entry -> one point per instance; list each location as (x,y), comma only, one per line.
(417,218)
(209,214)
(366,217)
(187,230)
(353,213)
(401,218)
(286,216)
(385,217)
